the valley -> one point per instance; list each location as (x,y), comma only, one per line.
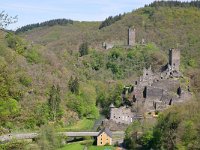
(76,76)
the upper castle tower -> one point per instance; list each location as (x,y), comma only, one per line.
(131,36)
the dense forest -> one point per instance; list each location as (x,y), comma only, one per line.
(61,75)
(43,24)
(175,4)
(110,20)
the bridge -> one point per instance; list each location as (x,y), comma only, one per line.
(22,136)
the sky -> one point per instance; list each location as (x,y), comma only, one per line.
(34,11)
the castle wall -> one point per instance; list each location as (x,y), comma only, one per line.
(174,59)
(121,115)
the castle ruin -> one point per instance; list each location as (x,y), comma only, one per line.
(121,115)
(172,68)
(152,92)
(174,59)
(131,36)
(131,40)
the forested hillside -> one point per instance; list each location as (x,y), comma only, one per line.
(165,26)
(61,74)
(40,77)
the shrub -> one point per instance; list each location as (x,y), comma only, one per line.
(25,80)
(48,139)
(83,49)
(14,145)
(33,56)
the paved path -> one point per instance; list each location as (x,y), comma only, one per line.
(19,136)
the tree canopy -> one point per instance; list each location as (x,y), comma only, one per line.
(110,20)
(5,19)
(46,23)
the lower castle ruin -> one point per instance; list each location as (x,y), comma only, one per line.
(152,92)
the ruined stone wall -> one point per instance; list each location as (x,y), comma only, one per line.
(121,115)
(174,59)
(107,45)
(154,93)
(138,92)
(167,84)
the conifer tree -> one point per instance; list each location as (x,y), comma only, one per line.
(73,85)
(54,103)
(83,49)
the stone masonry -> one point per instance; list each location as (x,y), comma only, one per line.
(131,36)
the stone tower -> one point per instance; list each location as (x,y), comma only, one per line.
(174,59)
(131,36)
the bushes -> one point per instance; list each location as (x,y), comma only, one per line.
(25,80)
(15,43)
(97,60)
(14,145)
(177,128)
(108,95)
(73,85)
(8,107)
(115,68)
(80,104)
(131,134)
(42,114)
(48,139)
(146,139)
(55,111)
(33,56)
(84,102)
(83,49)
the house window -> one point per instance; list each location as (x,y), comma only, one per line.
(101,142)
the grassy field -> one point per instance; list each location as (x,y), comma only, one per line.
(78,146)
(101,148)
(82,125)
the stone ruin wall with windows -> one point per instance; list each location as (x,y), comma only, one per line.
(121,115)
